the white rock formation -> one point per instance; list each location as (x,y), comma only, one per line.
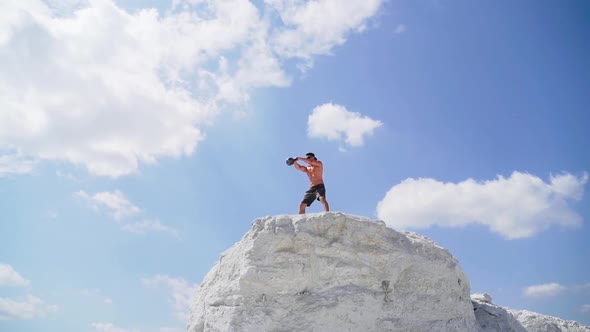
(493,318)
(333,272)
(485,297)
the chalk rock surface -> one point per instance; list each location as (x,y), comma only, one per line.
(494,318)
(485,297)
(333,272)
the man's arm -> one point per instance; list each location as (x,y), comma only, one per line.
(299,167)
(309,161)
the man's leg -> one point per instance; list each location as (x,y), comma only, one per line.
(324,203)
(308,198)
(302,208)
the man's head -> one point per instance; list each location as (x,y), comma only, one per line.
(310,155)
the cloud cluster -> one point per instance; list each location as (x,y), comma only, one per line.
(544,290)
(95,294)
(181,293)
(115,202)
(109,327)
(554,289)
(106,89)
(12,162)
(122,210)
(314,27)
(9,277)
(399,29)
(515,207)
(24,307)
(334,122)
(144,226)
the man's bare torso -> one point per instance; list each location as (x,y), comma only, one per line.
(315,174)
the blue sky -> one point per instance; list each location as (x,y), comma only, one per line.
(139,140)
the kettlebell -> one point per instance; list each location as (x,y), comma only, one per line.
(290,161)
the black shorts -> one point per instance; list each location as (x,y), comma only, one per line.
(314,193)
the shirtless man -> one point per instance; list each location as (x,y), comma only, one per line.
(317,190)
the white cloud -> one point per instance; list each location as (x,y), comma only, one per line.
(335,122)
(52,215)
(315,27)
(115,202)
(544,290)
(515,207)
(121,209)
(24,308)
(582,288)
(171,329)
(67,176)
(10,277)
(109,327)
(15,163)
(585,308)
(554,289)
(149,226)
(65,7)
(87,88)
(400,28)
(91,84)
(180,290)
(569,186)
(95,294)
